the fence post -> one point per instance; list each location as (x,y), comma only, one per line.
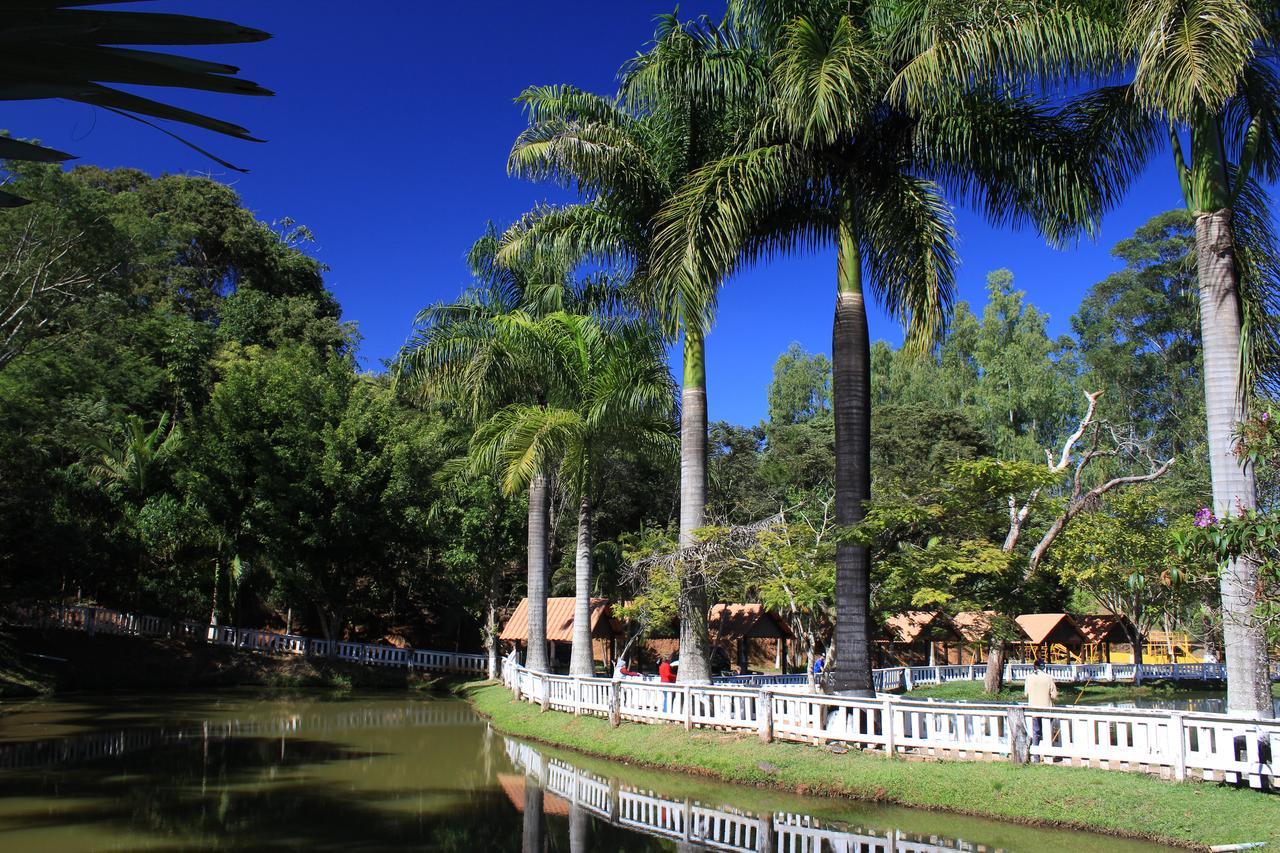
(906,678)
(1111,676)
(546,691)
(887,723)
(1019,750)
(615,703)
(577,697)
(688,707)
(1178,745)
(764,715)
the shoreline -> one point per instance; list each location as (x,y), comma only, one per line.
(1195,815)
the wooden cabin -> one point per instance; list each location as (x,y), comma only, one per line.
(1052,636)
(1101,631)
(918,638)
(606,631)
(974,627)
(756,636)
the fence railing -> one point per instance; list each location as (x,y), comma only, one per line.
(103,620)
(1173,744)
(706,826)
(908,677)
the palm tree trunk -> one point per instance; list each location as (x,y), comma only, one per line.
(1244,635)
(539,508)
(851,404)
(695,648)
(580,659)
(533,838)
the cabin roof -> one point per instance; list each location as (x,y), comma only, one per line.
(1053,628)
(921,624)
(735,621)
(560,621)
(974,625)
(1103,627)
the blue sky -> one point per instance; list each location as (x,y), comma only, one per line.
(388,138)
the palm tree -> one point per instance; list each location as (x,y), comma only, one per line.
(831,161)
(1172,70)
(136,465)
(470,352)
(55,50)
(681,104)
(608,386)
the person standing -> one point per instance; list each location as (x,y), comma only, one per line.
(1040,690)
(666,674)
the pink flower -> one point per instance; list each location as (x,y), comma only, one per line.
(1204,517)
(1266,416)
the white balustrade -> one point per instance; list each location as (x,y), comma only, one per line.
(707,826)
(95,619)
(1168,743)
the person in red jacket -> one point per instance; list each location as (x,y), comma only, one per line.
(666,674)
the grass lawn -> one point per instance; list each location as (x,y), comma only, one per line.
(1191,814)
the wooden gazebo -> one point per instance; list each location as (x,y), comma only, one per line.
(739,624)
(605,629)
(1100,630)
(918,638)
(1053,636)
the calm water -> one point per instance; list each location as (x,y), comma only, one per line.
(237,771)
(1208,702)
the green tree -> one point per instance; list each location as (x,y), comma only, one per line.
(1139,338)
(1199,72)
(1123,556)
(801,386)
(476,353)
(830,161)
(681,103)
(609,387)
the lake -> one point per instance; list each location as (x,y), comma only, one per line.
(240,770)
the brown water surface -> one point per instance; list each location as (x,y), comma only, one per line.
(235,770)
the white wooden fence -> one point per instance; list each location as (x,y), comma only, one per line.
(1173,744)
(709,827)
(102,620)
(909,677)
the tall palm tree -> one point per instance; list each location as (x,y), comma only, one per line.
(682,102)
(1172,70)
(53,49)
(831,161)
(608,387)
(470,351)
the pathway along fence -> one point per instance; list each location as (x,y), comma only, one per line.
(104,621)
(696,823)
(1173,744)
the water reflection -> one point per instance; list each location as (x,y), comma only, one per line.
(235,771)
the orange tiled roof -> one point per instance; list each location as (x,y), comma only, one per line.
(1103,627)
(908,627)
(731,621)
(974,625)
(559,620)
